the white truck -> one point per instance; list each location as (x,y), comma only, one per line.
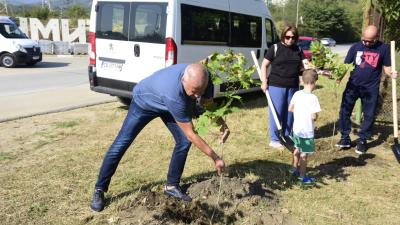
(131,39)
(15,47)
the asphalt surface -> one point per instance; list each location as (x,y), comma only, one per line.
(53,85)
(341,49)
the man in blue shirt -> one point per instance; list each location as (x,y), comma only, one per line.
(369,57)
(170,94)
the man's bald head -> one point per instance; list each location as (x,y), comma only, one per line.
(370,35)
(195,80)
(370,32)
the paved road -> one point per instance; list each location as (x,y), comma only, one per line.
(53,73)
(341,49)
(56,84)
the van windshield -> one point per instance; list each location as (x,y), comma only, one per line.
(9,30)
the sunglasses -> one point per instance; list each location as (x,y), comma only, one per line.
(290,37)
(369,42)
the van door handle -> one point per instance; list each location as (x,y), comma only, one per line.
(258,53)
(136,50)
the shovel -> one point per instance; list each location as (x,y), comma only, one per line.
(284,140)
(395,146)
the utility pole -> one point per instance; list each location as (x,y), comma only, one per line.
(44,2)
(4,8)
(297,13)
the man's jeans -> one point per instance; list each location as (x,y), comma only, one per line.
(369,101)
(135,121)
(281,99)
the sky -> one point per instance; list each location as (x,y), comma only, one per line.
(19,2)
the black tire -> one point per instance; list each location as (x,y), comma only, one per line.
(31,63)
(8,60)
(125,101)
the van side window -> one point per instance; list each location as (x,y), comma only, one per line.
(204,26)
(113,20)
(269,28)
(246,30)
(148,22)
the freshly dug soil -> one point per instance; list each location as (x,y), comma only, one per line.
(237,202)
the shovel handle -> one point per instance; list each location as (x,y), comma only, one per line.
(394,89)
(270,104)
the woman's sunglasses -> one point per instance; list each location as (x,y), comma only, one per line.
(290,37)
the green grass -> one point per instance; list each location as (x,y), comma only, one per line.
(66,124)
(6,156)
(48,178)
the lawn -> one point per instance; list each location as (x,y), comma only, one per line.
(49,165)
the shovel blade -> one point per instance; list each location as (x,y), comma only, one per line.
(286,141)
(396,151)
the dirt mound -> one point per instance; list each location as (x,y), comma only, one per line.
(239,201)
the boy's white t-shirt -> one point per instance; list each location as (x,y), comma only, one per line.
(305,104)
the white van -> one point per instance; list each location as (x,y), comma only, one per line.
(131,39)
(15,47)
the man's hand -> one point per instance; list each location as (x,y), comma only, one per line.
(264,86)
(219,165)
(225,132)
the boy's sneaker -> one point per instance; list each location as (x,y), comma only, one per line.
(307,180)
(344,143)
(98,201)
(294,172)
(276,144)
(361,147)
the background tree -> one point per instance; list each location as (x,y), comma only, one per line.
(77,12)
(44,14)
(339,19)
(324,19)
(391,14)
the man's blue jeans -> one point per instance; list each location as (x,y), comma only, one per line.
(135,121)
(281,99)
(369,101)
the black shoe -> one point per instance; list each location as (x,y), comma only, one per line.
(98,201)
(344,143)
(361,147)
(176,192)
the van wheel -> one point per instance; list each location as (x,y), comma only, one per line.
(8,60)
(125,101)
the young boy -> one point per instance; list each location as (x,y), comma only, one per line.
(304,106)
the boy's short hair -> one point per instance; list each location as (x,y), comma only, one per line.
(309,76)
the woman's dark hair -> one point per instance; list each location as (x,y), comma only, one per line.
(290,28)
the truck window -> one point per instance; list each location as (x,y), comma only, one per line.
(204,26)
(148,22)
(113,20)
(246,30)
